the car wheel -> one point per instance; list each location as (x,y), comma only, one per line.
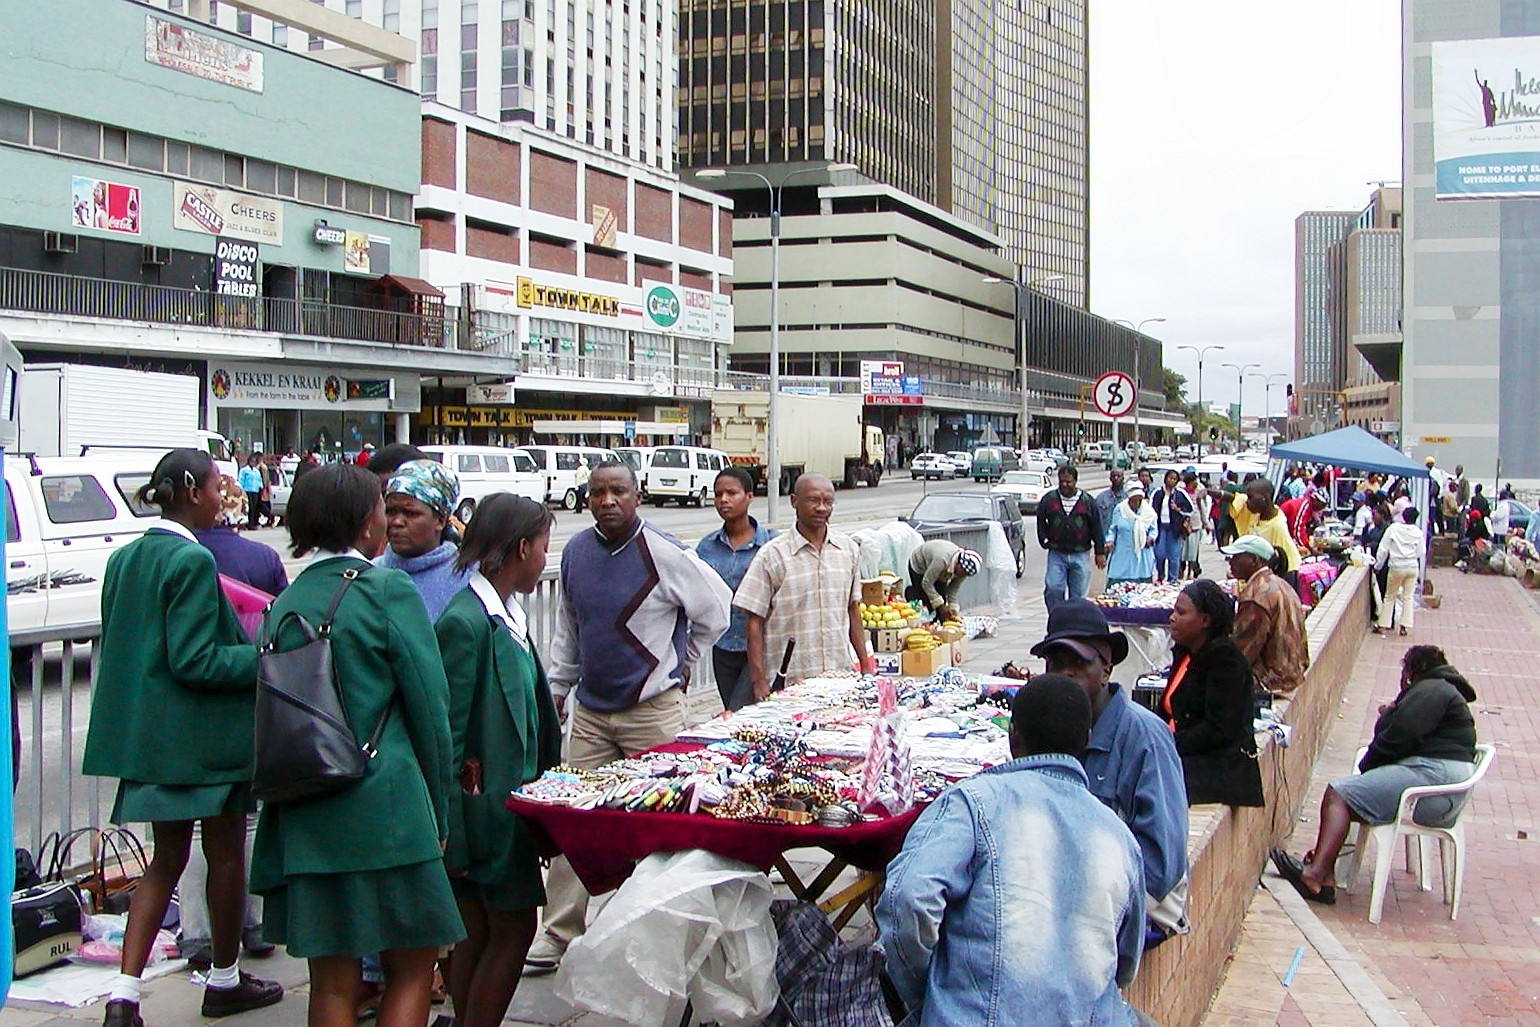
(569,501)
(704,497)
(658,501)
(914,476)
(1021,561)
(465,510)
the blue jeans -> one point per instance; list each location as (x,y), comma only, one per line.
(1168,556)
(1067,576)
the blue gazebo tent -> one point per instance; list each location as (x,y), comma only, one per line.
(1354,449)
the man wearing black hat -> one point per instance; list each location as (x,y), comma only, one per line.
(1131,761)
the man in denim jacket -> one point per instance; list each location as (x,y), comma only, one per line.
(995,914)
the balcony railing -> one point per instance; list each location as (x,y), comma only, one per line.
(48,293)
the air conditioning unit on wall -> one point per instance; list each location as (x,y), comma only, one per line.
(60,242)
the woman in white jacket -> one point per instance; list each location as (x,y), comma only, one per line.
(1401,553)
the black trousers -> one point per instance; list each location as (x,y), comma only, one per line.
(731,668)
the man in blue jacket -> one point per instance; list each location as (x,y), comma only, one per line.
(1131,762)
(1018,899)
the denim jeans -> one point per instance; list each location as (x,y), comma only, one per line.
(1168,556)
(1066,573)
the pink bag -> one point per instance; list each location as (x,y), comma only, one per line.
(247,602)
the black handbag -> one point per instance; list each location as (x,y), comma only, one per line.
(305,747)
(45,926)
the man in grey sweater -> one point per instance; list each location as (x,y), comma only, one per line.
(936,572)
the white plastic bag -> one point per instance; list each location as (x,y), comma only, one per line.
(887,548)
(1001,564)
(686,926)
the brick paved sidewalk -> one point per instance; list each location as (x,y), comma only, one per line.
(1417,966)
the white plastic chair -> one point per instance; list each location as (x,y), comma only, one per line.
(1451,841)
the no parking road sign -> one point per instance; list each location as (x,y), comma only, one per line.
(1114,394)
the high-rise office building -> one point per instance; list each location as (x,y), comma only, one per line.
(975,106)
(600,73)
(1469,362)
(1012,131)
(1317,360)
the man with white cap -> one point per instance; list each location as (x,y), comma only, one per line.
(1131,763)
(1269,620)
(936,571)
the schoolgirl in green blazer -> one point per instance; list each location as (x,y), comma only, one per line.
(361,870)
(505,732)
(171,718)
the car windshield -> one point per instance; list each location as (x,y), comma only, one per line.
(953,508)
(1022,478)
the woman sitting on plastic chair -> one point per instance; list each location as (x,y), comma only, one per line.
(1427,736)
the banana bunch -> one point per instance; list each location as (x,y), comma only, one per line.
(953,623)
(921,641)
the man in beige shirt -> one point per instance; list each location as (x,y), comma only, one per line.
(803,585)
(1269,620)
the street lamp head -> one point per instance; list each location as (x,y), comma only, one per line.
(993,280)
(711,173)
(842,166)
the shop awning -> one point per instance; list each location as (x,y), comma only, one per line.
(406,284)
(610,428)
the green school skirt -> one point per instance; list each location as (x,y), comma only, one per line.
(141,803)
(361,912)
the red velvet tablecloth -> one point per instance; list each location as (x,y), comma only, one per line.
(604,845)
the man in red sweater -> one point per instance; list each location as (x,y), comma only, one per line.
(1301,513)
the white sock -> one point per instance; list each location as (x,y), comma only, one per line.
(226,976)
(124,987)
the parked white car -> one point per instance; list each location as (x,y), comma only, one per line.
(1027,487)
(962,462)
(485,470)
(932,465)
(683,473)
(1039,460)
(66,516)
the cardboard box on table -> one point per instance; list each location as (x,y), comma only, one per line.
(922,663)
(884,640)
(889,664)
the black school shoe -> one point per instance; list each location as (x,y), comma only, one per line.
(122,1013)
(251,993)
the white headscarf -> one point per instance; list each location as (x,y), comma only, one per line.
(1144,521)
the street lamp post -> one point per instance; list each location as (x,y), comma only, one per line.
(1267,400)
(1200,350)
(772,410)
(1240,399)
(1138,357)
(1017,289)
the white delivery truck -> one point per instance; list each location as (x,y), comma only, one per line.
(73,409)
(816,434)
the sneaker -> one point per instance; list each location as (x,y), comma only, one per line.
(544,956)
(122,1013)
(251,993)
(254,945)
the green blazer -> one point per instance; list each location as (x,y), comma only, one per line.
(497,693)
(175,674)
(383,654)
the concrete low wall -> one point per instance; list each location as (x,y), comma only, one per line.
(1228,846)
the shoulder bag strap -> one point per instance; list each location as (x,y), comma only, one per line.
(348,577)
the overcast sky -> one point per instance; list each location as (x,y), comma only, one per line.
(1213,124)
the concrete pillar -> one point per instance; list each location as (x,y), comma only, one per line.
(403,427)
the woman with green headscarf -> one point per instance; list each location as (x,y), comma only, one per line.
(418,501)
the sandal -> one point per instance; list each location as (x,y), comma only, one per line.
(1293,871)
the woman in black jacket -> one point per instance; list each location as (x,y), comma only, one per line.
(1427,736)
(1208,700)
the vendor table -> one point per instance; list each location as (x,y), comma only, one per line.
(604,845)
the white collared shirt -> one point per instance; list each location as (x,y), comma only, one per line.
(327,554)
(165,524)
(511,614)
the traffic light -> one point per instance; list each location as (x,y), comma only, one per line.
(1079,430)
